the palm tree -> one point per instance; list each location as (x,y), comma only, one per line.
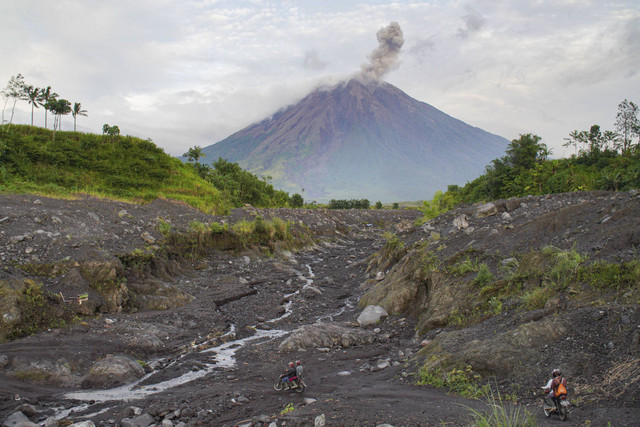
(34,97)
(46,97)
(77,111)
(194,154)
(59,107)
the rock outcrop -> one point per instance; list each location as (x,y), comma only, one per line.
(326,335)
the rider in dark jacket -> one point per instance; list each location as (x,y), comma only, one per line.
(289,375)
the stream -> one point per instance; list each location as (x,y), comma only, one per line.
(222,356)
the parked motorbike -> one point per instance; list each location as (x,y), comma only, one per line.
(559,408)
(298,385)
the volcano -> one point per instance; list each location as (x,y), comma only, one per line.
(361,139)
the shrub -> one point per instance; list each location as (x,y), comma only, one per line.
(498,415)
(484,275)
(394,246)
(463,382)
(537,298)
(462,267)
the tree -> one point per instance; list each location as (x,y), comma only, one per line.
(544,152)
(297,201)
(59,108)
(112,131)
(15,91)
(46,97)
(593,140)
(77,111)
(194,153)
(627,123)
(34,97)
(523,152)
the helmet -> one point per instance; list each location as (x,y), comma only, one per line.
(557,373)
(291,364)
(298,362)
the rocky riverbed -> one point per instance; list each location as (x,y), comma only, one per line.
(226,323)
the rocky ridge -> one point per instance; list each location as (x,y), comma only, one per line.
(578,322)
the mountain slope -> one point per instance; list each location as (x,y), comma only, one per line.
(361,140)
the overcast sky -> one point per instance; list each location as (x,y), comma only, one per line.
(192,72)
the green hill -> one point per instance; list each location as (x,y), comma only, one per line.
(110,166)
(526,170)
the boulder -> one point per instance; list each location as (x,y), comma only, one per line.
(311,291)
(156,295)
(486,209)
(83,424)
(44,372)
(18,419)
(113,371)
(460,222)
(325,335)
(143,420)
(371,315)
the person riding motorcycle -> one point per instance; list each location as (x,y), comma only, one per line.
(552,386)
(299,369)
(289,375)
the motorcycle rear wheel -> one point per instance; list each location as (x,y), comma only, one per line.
(300,387)
(562,411)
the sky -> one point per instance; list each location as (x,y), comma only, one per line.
(191,72)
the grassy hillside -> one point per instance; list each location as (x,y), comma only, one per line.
(119,167)
(526,170)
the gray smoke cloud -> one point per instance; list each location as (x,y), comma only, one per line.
(385,55)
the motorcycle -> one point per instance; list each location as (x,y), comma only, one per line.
(560,405)
(298,385)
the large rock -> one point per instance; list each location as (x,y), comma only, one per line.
(45,372)
(18,419)
(113,371)
(326,335)
(487,209)
(371,315)
(143,420)
(157,296)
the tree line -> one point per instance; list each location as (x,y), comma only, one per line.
(17,90)
(240,186)
(603,160)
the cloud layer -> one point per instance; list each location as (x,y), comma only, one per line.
(193,72)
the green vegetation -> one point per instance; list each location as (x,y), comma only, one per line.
(602,161)
(349,204)
(38,311)
(459,381)
(240,187)
(124,168)
(394,247)
(525,282)
(498,415)
(62,164)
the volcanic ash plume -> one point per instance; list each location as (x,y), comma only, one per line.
(384,56)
